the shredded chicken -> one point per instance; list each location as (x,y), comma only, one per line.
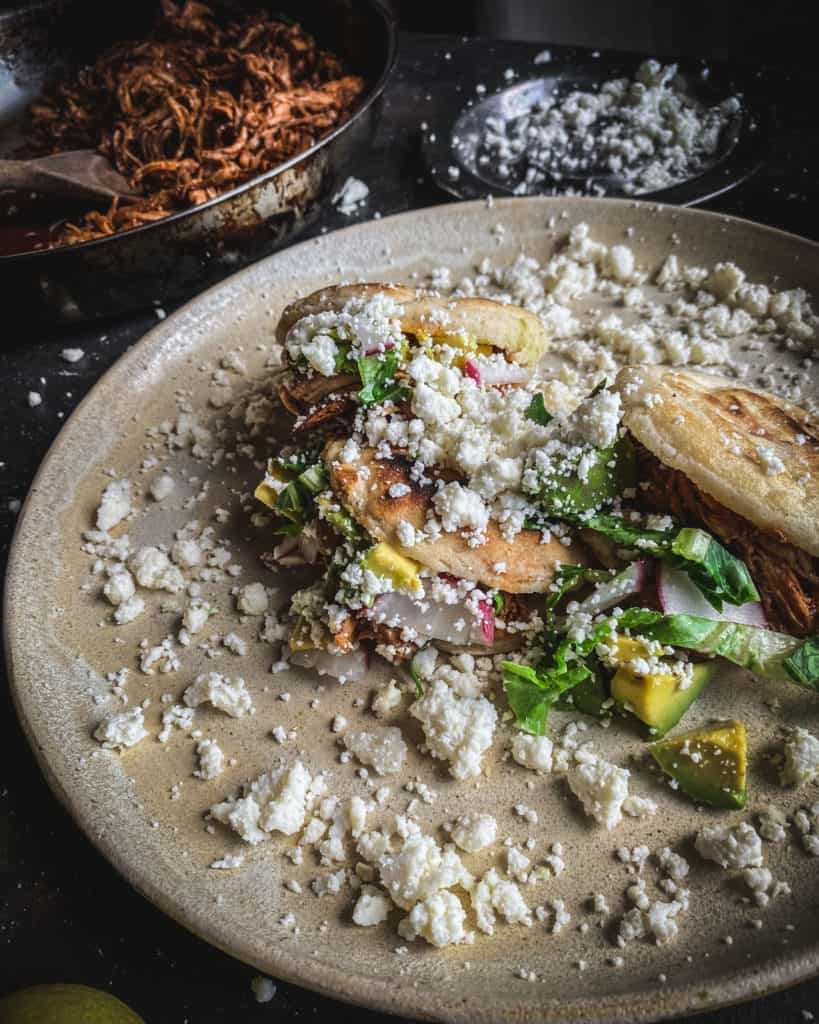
(193,110)
(786,577)
(300,394)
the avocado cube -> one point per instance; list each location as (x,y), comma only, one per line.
(658,699)
(709,764)
(383,560)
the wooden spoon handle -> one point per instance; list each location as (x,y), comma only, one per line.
(19,174)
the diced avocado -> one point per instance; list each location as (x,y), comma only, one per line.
(266,494)
(656,699)
(341,521)
(590,696)
(606,472)
(385,561)
(709,764)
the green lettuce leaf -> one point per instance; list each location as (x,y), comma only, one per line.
(627,535)
(769,654)
(718,574)
(537,411)
(296,502)
(803,664)
(378,383)
(531,691)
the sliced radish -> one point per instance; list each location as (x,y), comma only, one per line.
(496,370)
(433,620)
(680,596)
(471,370)
(610,593)
(376,348)
(487,620)
(347,667)
(288,553)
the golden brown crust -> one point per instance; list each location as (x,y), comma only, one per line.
(512,329)
(530,564)
(753,452)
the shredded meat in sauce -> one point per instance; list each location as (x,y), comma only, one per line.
(786,577)
(193,110)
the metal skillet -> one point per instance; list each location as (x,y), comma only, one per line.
(174,257)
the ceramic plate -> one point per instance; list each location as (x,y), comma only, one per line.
(145,810)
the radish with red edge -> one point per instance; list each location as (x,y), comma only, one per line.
(487,621)
(379,347)
(471,370)
(679,595)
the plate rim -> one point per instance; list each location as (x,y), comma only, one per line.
(776,974)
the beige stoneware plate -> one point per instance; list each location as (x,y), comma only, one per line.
(61,644)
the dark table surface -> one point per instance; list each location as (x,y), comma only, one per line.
(65,915)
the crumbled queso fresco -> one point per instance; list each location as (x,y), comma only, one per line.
(439,860)
(629,136)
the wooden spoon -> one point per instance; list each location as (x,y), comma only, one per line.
(75,174)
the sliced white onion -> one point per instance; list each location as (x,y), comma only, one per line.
(496,370)
(680,596)
(610,593)
(434,620)
(288,553)
(348,667)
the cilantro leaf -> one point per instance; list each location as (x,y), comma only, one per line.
(537,411)
(378,383)
(497,601)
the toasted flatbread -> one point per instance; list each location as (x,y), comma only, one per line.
(753,452)
(512,329)
(530,564)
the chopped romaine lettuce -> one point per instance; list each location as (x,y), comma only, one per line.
(531,691)
(627,535)
(803,664)
(295,502)
(378,383)
(718,574)
(769,654)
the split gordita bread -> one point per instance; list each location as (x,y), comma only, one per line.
(509,329)
(743,463)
